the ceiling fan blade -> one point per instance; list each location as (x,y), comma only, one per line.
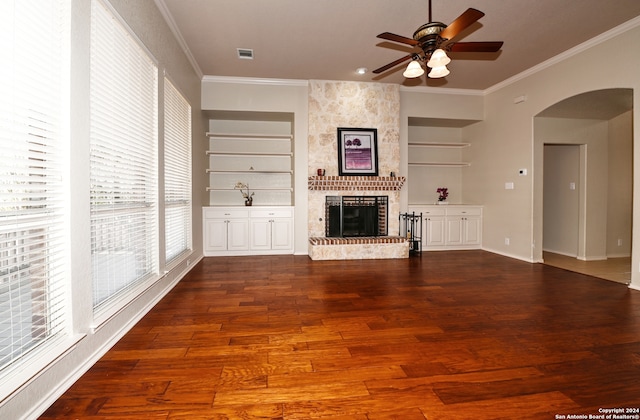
(476,46)
(393,64)
(397,38)
(461,23)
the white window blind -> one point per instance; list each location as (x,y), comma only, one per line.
(34,44)
(177,172)
(123,159)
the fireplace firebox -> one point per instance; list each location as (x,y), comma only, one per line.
(348,216)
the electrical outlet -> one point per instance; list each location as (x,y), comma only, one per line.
(506,241)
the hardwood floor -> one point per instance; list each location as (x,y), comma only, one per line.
(446,335)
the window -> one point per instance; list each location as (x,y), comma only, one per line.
(177,172)
(123,141)
(34,44)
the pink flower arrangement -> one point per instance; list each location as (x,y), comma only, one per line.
(443,193)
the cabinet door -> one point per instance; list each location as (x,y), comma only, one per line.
(260,234)
(215,235)
(472,230)
(433,231)
(238,235)
(282,234)
(454,230)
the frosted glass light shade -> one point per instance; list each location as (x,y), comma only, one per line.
(438,72)
(414,69)
(439,58)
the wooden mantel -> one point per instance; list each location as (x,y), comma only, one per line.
(356,183)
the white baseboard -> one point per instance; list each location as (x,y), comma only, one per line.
(514,256)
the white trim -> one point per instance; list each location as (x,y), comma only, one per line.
(168,17)
(255,81)
(114,307)
(22,374)
(444,91)
(515,257)
(598,39)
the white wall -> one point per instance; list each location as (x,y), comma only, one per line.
(44,387)
(620,188)
(505,143)
(561,201)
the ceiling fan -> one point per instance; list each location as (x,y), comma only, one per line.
(434,40)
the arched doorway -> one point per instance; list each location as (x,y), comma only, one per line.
(596,129)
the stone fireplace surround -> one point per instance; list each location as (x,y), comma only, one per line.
(334,104)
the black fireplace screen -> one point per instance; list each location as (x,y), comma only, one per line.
(347,216)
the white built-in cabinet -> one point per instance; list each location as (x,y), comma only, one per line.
(450,226)
(225,229)
(255,149)
(247,230)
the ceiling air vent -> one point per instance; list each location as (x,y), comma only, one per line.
(245,53)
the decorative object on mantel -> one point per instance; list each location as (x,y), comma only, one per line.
(321,172)
(443,194)
(358,151)
(355,183)
(248,196)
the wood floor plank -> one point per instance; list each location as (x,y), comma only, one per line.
(445,335)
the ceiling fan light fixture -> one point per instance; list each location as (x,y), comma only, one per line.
(439,58)
(414,69)
(438,72)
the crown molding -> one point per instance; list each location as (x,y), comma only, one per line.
(444,91)
(164,11)
(599,39)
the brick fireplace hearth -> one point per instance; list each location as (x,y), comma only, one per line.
(322,247)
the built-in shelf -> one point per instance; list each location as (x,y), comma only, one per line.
(247,171)
(263,160)
(356,183)
(442,164)
(241,136)
(214,153)
(252,189)
(440,145)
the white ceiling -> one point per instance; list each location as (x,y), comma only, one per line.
(329,39)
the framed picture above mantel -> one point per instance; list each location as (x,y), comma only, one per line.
(358,151)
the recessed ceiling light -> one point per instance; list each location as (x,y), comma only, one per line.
(361,70)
